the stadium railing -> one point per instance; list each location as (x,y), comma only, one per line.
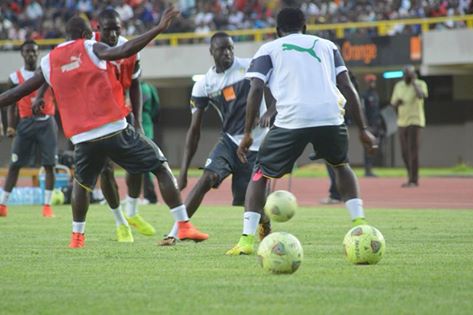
(382,28)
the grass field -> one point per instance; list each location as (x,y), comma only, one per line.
(427,268)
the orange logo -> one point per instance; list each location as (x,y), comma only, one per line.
(363,52)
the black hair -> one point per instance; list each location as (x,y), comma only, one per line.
(290,20)
(76,26)
(108,14)
(28,42)
(218,35)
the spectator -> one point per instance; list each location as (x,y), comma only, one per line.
(408,97)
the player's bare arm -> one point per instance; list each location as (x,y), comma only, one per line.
(136,103)
(255,95)
(354,107)
(136,44)
(192,141)
(12,115)
(38,104)
(265,120)
(29,86)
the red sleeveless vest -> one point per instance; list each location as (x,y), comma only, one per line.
(87,97)
(24,105)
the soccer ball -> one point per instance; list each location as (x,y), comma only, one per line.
(364,244)
(280,205)
(57,197)
(280,252)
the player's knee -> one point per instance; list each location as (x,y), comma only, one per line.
(209,179)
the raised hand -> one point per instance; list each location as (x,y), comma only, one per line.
(168,16)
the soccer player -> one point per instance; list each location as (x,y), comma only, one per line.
(92,110)
(224,88)
(303,72)
(31,132)
(128,72)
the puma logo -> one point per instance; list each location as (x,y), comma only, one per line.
(310,50)
(74,64)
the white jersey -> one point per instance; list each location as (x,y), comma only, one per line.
(25,73)
(227,93)
(101,64)
(26,76)
(301,71)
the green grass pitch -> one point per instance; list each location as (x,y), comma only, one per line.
(427,269)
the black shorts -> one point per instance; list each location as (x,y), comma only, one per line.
(129,149)
(282,147)
(34,135)
(224,161)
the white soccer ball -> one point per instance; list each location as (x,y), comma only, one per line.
(280,252)
(280,205)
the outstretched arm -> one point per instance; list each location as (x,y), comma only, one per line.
(38,104)
(22,90)
(136,44)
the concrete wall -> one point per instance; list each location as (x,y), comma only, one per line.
(448,47)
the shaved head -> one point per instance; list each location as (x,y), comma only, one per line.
(77,28)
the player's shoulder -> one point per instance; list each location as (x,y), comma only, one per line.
(121,40)
(14,77)
(242,62)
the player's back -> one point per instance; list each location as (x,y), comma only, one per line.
(303,80)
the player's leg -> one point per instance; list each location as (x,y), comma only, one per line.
(149,192)
(10,182)
(134,184)
(276,157)
(138,155)
(89,159)
(48,191)
(172,198)
(332,143)
(217,168)
(109,187)
(46,138)
(334,195)
(193,201)
(240,180)
(22,150)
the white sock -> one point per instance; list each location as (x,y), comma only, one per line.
(4,197)
(119,218)
(179,213)
(48,194)
(355,208)
(78,227)
(173,232)
(250,222)
(131,206)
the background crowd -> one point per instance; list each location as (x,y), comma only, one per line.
(38,19)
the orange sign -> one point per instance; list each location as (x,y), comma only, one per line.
(359,52)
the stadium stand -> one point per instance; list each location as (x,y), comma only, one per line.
(45,19)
